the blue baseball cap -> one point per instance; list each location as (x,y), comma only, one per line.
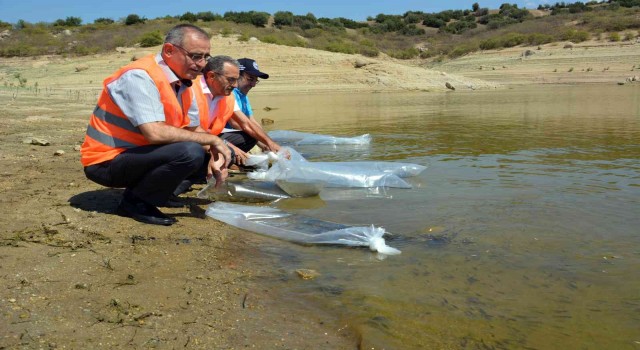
(250,66)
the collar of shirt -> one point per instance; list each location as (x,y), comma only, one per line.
(171,77)
(205,88)
(238,92)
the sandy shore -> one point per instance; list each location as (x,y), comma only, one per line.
(74,275)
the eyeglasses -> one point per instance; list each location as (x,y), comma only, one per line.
(229,80)
(251,79)
(195,57)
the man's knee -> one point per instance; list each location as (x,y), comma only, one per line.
(192,153)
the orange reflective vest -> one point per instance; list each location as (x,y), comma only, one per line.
(223,111)
(110,132)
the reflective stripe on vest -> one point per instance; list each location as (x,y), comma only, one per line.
(115,120)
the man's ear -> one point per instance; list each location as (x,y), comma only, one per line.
(167,49)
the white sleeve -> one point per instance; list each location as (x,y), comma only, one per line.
(194,111)
(137,96)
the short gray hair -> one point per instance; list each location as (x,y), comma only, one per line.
(216,64)
(176,34)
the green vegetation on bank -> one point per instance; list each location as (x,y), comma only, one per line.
(450,33)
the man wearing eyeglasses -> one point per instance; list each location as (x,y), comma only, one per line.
(141,133)
(250,76)
(220,77)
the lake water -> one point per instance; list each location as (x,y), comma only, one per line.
(523,233)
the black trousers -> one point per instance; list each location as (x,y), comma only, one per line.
(239,139)
(152,173)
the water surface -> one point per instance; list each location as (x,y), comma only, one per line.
(522,233)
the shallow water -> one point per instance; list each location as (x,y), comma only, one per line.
(522,233)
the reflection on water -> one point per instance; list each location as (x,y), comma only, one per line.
(522,233)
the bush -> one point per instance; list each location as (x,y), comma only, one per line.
(506,40)
(19,50)
(208,16)
(539,39)
(189,17)
(134,19)
(82,50)
(433,21)
(406,54)
(103,20)
(459,27)
(614,36)
(412,30)
(73,21)
(283,18)
(151,39)
(340,46)
(259,19)
(313,33)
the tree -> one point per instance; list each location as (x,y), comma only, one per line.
(475,7)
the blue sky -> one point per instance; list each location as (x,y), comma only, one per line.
(51,10)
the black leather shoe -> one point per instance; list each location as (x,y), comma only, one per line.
(173,202)
(143,212)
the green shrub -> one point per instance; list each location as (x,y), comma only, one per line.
(313,33)
(459,27)
(283,18)
(575,36)
(103,20)
(82,50)
(151,39)
(5,25)
(18,49)
(189,17)
(462,50)
(539,39)
(368,51)
(614,36)
(406,54)
(134,19)
(208,16)
(340,46)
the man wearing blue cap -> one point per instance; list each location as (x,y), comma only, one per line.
(249,78)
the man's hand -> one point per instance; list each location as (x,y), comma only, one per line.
(220,147)
(241,156)
(217,169)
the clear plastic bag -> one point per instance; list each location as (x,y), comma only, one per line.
(293,167)
(298,228)
(304,138)
(247,191)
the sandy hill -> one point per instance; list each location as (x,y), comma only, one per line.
(301,70)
